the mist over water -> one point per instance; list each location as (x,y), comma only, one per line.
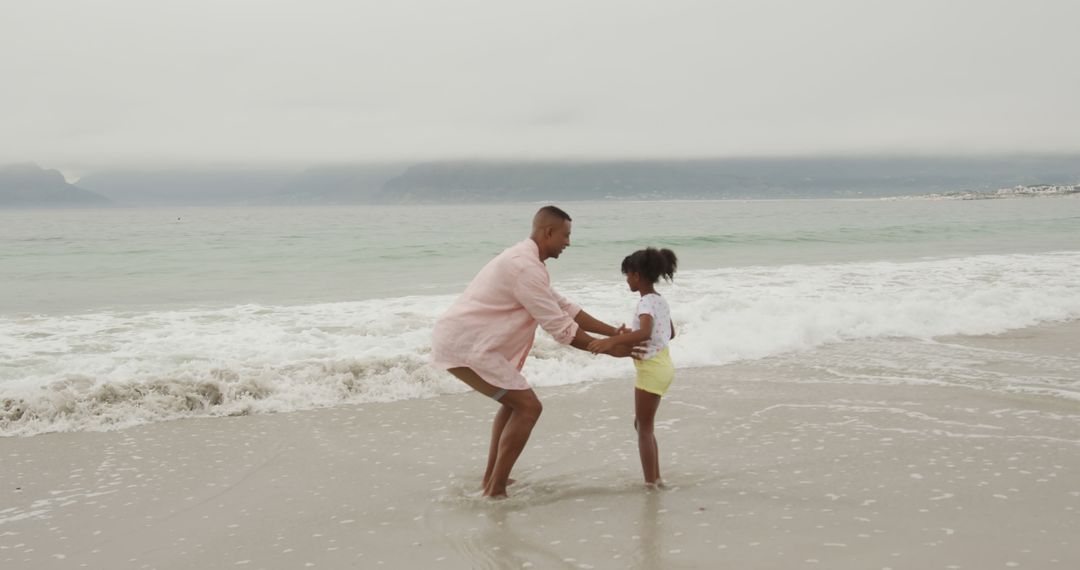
(115,318)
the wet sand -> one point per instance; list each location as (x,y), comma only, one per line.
(767,467)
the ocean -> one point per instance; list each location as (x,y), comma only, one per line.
(117,317)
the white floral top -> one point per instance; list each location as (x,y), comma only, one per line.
(655,306)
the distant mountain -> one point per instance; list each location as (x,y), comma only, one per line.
(720,178)
(526,181)
(30,186)
(330,184)
(338,184)
(187,187)
(489,181)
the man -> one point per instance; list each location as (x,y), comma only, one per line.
(486,334)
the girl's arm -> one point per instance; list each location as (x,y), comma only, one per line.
(642,334)
(631,338)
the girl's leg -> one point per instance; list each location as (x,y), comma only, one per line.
(645,405)
(656,459)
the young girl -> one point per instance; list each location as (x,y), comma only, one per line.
(651,325)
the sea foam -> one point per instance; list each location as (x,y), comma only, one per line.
(106,370)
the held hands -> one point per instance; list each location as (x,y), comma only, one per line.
(612,347)
(636,351)
(603,345)
(607,344)
(622,351)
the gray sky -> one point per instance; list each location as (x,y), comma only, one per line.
(163,82)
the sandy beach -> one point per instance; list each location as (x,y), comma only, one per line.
(769,466)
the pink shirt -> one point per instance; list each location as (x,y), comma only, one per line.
(491,326)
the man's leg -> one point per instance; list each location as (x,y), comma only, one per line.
(501,417)
(510,430)
(525,411)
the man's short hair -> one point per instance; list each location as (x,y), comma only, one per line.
(553,211)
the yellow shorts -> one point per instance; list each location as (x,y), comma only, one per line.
(655,374)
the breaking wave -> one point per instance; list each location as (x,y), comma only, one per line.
(107,370)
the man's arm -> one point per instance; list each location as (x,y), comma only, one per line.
(582,339)
(594,325)
(531,289)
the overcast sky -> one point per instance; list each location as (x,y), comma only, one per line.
(139,82)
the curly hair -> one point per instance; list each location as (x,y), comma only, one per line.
(651,264)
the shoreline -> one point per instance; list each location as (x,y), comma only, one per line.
(121,409)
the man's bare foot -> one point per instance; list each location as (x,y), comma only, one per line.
(493,493)
(658,484)
(510,481)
